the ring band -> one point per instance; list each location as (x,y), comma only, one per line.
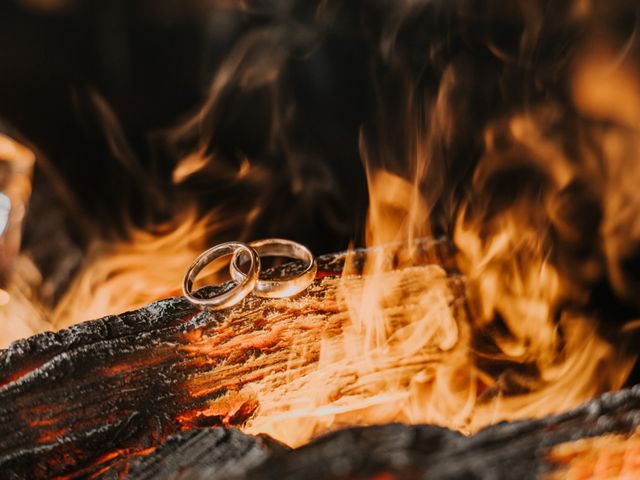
(245,285)
(281,248)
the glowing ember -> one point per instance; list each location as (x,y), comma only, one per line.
(608,457)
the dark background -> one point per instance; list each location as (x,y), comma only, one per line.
(73,73)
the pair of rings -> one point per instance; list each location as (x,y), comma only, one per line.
(251,281)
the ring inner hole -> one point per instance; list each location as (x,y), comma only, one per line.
(269,266)
(215,273)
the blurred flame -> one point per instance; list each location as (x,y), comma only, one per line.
(529,348)
(21,314)
(124,275)
(601,458)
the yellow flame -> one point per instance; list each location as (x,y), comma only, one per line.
(406,350)
(542,356)
(127,274)
(606,457)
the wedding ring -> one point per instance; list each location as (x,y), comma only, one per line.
(245,285)
(277,247)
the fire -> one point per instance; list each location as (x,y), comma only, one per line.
(365,374)
(605,457)
(527,349)
(523,342)
(124,275)
(21,314)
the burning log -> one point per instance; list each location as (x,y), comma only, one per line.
(75,401)
(595,440)
(98,399)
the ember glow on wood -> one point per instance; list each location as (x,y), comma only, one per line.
(121,384)
(80,400)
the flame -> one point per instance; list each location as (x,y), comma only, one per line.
(529,348)
(21,313)
(406,352)
(367,375)
(127,274)
(523,342)
(599,458)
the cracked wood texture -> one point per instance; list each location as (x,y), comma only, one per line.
(74,402)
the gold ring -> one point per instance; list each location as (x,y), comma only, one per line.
(277,288)
(245,284)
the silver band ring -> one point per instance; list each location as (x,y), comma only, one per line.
(276,288)
(245,284)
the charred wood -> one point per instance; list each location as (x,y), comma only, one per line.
(74,401)
(525,450)
(208,453)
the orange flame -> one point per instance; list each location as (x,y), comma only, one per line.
(21,314)
(124,275)
(407,351)
(544,354)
